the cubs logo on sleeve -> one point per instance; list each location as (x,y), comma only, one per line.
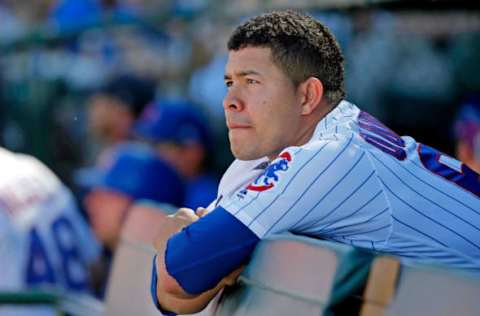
(272,174)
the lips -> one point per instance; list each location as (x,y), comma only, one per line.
(232,125)
(237,126)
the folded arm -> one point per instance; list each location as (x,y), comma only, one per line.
(196,261)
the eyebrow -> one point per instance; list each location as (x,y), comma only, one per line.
(243,73)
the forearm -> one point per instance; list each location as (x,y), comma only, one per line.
(193,265)
(194,304)
(182,305)
(169,298)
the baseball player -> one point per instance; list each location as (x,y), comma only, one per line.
(135,173)
(112,110)
(335,172)
(180,135)
(44,241)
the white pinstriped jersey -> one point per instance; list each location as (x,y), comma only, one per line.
(238,175)
(357,182)
(44,241)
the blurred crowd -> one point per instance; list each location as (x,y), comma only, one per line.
(55,54)
(123,98)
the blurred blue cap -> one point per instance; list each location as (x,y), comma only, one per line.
(138,172)
(178,122)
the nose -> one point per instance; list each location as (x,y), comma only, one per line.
(232,102)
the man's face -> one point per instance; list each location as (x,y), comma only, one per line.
(261,106)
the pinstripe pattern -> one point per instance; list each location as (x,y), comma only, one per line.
(343,188)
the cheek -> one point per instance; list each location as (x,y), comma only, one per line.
(101,218)
(279,126)
(104,213)
(265,117)
(107,225)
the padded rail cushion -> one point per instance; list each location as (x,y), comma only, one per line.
(430,291)
(128,290)
(294,275)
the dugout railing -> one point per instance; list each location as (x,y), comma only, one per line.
(288,275)
(296,275)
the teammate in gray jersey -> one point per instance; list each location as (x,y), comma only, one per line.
(334,172)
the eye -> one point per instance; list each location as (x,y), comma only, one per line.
(252,81)
(228,83)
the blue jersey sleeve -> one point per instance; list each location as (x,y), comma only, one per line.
(206,251)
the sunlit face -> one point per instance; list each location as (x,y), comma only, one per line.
(107,210)
(261,106)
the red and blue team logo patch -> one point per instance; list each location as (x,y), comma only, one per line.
(270,177)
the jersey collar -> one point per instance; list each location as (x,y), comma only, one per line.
(343,112)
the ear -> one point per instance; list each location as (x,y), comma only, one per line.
(311,93)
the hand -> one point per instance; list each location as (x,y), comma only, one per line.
(184,216)
(233,276)
(172,225)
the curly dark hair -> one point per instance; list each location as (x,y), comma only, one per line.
(301,46)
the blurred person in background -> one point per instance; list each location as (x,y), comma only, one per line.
(467,133)
(114,108)
(135,175)
(181,136)
(45,242)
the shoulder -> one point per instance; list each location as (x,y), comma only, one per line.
(19,171)
(238,167)
(26,183)
(328,147)
(38,172)
(240,173)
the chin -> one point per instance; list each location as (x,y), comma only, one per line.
(244,154)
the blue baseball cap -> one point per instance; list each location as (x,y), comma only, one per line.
(138,172)
(178,122)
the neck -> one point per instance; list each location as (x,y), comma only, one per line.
(307,129)
(302,138)
(310,123)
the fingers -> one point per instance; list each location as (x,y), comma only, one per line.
(201,211)
(186,213)
(184,216)
(232,277)
(173,224)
